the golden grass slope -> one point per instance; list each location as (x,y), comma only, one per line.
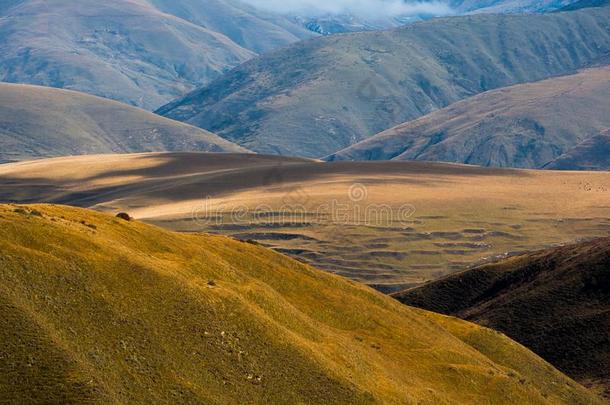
(44,122)
(97,309)
(463,214)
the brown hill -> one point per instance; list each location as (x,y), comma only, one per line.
(40,122)
(555,302)
(316,97)
(391,225)
(527,125)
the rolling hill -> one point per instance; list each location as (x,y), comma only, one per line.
(130,51)
(526,125)
(556,302)
(40,122)
(591,154)
(319,96)
(391,225)
(98,309)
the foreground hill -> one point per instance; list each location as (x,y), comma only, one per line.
(136,51)
(316,97)
(44,122)
(98,309)
(555,302)
(527,125)
(392,225)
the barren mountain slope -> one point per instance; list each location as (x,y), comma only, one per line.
(527,125)
(316,97)
(40,122)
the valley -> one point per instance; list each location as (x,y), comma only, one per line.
(391,225)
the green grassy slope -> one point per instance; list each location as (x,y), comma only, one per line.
(526,125)
(99,309)
(316,97)
(555,302)
(44,122)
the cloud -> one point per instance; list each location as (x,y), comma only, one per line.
(370,9)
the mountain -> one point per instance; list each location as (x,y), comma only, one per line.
(319,96)
(391,225)
(250,27)
(526,125)
(577,5)
(591,154)
(130,51)
(555,302)
(98,309)
(40,122)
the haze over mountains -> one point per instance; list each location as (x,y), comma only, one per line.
(527,125)
(40,122)
(316,97)
(554,301)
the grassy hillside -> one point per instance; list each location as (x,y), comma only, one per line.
(316,97)
(44,122)
(555,302)
(526,125)
(97,309)
(442,218)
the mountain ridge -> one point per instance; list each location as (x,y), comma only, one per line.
(295,102)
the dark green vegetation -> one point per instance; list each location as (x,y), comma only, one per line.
(43,122)
(555,302)
(316,97)
(97,309)
(526,125)
(134,51)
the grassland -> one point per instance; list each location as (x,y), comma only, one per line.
(554,301)
(462,215)
(98,309)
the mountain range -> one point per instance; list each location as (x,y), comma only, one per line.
(318,96)
(554,301)
(40,122)
(135,51)
(528,125)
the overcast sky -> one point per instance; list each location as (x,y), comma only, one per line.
(362,8)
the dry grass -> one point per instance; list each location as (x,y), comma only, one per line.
(94,308)
(463,214)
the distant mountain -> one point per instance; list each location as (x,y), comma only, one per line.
(131,51)
(591,154)
(526,125)
(319,96)
(555,302)
(40,122)
(577,5)
(247,26)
